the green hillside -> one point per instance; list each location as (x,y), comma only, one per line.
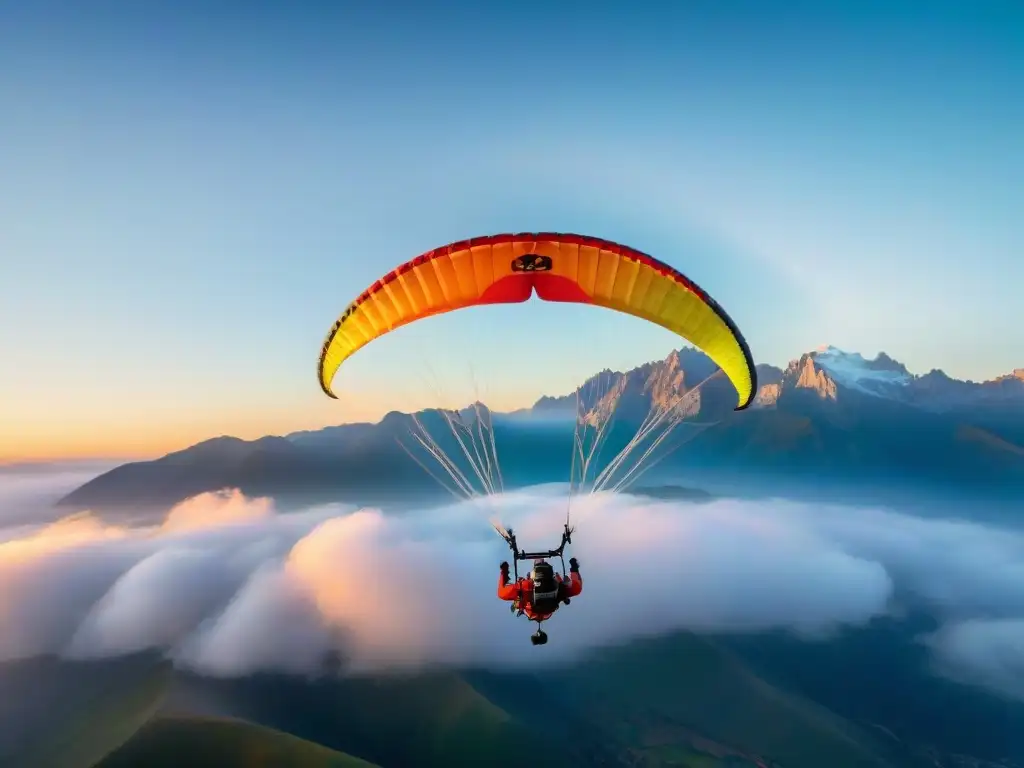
(426,719)
(683,700)
(70,715)
(214,743)
(674,701)
(657,700)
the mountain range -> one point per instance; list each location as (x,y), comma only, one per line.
(829,424)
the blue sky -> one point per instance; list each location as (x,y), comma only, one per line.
(193,191)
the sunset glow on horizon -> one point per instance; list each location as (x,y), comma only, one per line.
(148,435)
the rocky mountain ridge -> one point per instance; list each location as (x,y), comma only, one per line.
(828,417)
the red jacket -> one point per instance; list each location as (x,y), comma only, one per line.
(524,587)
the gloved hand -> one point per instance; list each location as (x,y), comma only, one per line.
(574,565)
(504,567)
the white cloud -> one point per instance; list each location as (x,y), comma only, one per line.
(28,493)
(985,651)
(229,586)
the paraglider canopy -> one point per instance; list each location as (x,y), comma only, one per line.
(510,268)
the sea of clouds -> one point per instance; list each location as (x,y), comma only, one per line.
(228,586)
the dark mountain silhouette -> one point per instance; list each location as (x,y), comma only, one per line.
(829,420)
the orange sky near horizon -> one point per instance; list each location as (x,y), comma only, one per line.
(141,433)
(128,441)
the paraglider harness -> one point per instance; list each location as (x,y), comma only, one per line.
(547,601)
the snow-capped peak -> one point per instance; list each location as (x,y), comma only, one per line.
(854,371)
